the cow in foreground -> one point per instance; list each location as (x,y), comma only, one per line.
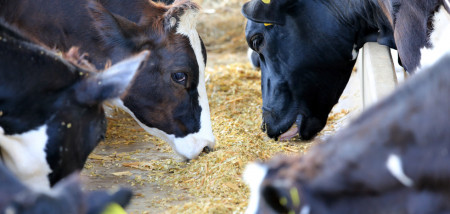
(307,50)
(168,98)
(392,159)
(51,114)
(66,197)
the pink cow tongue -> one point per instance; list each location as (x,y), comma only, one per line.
(293,131)
(289,134)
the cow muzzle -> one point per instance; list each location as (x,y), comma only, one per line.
(191,146)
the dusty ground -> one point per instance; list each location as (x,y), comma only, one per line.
(211,184)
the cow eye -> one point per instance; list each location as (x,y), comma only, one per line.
(179,77)
(256,41)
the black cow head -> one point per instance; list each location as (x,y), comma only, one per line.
(51,110)
(307,51)
(169,96)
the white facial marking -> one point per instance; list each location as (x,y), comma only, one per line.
(354,52)
(254,175)
(204,137)
(186,146)
(439,39)
(394,165)
(305,210)
(153,131)
(249,56)
(24,154)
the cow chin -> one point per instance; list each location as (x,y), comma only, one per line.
(306,128)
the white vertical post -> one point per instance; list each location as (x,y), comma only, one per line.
(378,76)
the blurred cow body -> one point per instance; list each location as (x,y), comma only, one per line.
(168,98)
(51,114)
(392,159)
(66,197)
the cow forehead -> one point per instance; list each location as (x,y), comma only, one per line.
(187,27)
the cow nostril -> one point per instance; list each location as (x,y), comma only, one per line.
(207,149)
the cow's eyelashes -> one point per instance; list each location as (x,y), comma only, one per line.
(179,77)
(256,41)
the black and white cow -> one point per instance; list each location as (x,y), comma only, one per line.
(66,197)
(51,114)
(307,49)
(168,98)
(392,159)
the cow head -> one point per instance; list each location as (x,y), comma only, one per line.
(168,98)
(306,53)
(51,110)
(79,124)
(66,197)
(275,186)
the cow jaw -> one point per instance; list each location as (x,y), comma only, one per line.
(188,147)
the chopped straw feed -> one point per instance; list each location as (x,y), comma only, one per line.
(213,182)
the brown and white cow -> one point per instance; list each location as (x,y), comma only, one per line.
(168,98)
(392,159)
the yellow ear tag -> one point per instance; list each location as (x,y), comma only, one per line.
(266,1)
(114,208)
(267,24)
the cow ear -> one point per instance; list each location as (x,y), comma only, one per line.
(267,11)
(184,12)
(114,30)
(111,83)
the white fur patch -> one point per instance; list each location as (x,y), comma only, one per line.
(249,56)
(254,175)
(24,154)
(205,136)
(394,165)
(439,39)
(305,210)
(354,52)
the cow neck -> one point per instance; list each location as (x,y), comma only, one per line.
(366,17)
